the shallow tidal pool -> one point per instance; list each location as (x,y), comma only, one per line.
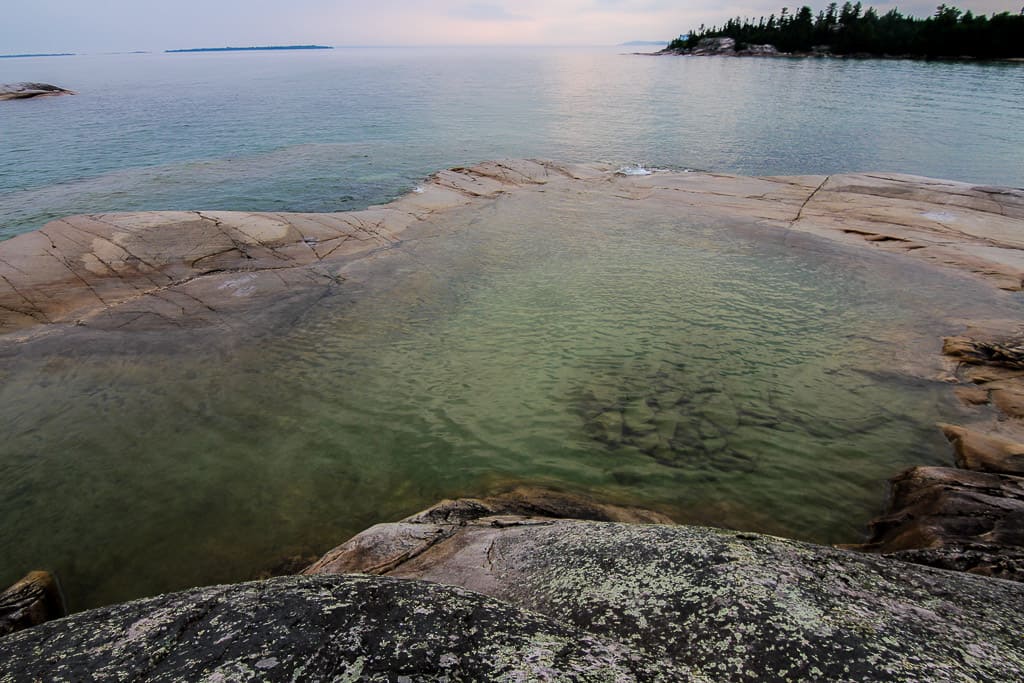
(725,377)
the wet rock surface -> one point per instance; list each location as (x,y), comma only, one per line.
(21,91)
(722,605)
(971,517)
(318,628)
(954,519)
(31,601)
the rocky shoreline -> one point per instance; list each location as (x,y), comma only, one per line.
(648,600)
(726,47)
(24,91)
(507,589)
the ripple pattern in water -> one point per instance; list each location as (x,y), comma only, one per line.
(641,357)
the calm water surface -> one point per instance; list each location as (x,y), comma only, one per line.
(642,357)
(326,131)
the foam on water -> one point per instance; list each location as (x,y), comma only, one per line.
(635,169)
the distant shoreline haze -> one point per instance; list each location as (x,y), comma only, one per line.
(40,54)
(852,30)
(252,49)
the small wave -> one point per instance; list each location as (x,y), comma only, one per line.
(418,189)
(635,169)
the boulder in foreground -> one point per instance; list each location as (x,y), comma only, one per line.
(723,605)
(553,600)
(320,628)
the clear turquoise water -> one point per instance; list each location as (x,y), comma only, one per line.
(337,130)
(640,357)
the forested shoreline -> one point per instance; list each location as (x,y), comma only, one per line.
(851,30)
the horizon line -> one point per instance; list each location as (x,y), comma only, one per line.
(162,50)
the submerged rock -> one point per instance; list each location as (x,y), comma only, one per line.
(725,606)
(21,91)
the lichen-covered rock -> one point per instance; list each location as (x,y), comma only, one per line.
(733,606)
(321,628)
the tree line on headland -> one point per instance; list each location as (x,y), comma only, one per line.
(850,29)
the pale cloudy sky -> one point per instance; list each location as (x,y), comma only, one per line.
(111,25)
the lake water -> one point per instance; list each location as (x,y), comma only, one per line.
(524,347)
(336,130)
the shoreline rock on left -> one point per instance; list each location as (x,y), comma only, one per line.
(24,91)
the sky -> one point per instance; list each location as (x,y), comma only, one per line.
(124,25)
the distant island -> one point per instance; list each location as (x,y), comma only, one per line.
(641,43)
(41,54)
(852,31)
(252,49)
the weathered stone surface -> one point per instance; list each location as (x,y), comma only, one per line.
(322,628)
(978,352)
(31,601)
(954,519)
(21,91)
(383,547)
(715,46)
(758,51)
(985,453)
(997,370)
(733,606)
(219,269)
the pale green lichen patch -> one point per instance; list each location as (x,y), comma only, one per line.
(377,629)
(750,607)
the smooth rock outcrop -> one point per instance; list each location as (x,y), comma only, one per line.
(34,599)
(954,519)
(384,547)
(322,628)
(22,91)
(985,453)
(221,270)
(724,606)
(715,46)
(971,517)
(994,372)
(765,50)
